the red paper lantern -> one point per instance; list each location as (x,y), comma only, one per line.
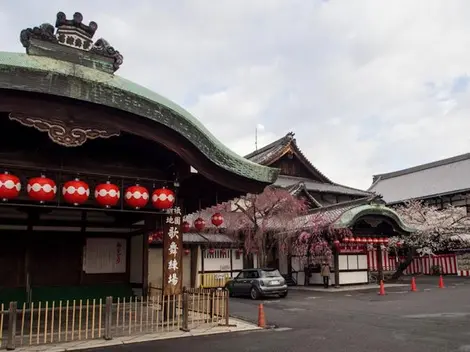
(352,240)
(386,240)
(107,194)
(159,235)
(41,189)
(10,186)
(217,219)
(336,243)
(346,240)
(380,240)
(223,251)
(187,251)
(211,251)
(370,240)
(375,240)
(199,224)
(137,196)
(76,192)
(150,239)
(185,226)
(163,198)
(399,244)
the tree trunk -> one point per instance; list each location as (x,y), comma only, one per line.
(402,267)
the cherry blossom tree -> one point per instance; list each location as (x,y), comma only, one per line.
(436,230)
(316,240)
(264,221)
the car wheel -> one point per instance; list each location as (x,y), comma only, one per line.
(254,293)
(283,295)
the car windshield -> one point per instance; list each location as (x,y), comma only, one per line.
(270,273)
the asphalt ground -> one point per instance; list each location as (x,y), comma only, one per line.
(429,320)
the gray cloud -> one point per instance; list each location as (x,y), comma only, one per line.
(368,86)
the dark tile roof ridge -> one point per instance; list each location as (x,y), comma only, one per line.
(299,187)
(421,167)
(353,202)
(303,179)
(352,188)
(284,141)
(430,196)
(280,141)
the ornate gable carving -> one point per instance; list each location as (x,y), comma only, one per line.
(65,133)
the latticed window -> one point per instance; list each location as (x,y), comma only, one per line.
(217,254)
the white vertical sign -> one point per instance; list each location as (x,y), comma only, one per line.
(104,255)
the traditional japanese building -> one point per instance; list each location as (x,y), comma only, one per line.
(437,183)
(340,207)
(300,176)
(91,163)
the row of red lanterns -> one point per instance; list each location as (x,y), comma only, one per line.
(199,224)
(77,192)
(363,240)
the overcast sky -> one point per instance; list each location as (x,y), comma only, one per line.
(367,86)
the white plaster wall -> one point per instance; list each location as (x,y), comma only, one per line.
(353,277)
(352,261)
(136,257)
(219,264)
(187,270)
(156,268)
(317,279)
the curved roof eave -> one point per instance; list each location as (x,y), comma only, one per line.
(349,217)
(129,97)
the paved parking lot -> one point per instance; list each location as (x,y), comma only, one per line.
(430,320)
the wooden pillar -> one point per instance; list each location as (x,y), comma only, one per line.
(83,234)
(231,261)
(289,257)
(336,265)
(150,225)
(194,266)
(33,217)
(380,268)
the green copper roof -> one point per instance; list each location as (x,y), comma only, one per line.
(95,86)
(349,217)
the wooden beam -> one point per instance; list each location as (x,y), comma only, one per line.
(66,223)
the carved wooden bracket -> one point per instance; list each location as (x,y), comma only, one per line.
(65,133)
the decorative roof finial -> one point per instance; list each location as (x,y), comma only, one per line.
(75,35)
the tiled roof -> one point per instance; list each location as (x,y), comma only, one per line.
(273,151)
(331,213)
(286,181)
(441,177)
(110,90)
(299,188)
(196,238)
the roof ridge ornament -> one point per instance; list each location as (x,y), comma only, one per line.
(73,41)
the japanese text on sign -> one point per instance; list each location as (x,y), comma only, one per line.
(173,252)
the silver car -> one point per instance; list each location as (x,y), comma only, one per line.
(258,283)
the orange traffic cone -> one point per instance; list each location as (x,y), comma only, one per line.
(413,285)
(261,318)
(382,288)
(441,282)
